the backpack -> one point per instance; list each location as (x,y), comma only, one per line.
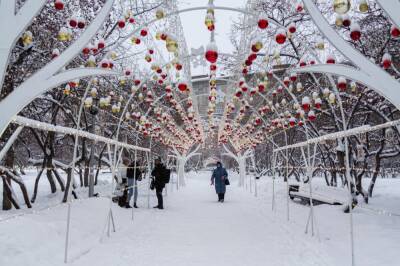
(166,175)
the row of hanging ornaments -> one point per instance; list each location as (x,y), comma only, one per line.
(211,56)
(171,45)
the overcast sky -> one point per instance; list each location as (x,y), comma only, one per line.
(196,33)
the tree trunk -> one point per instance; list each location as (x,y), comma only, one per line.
(7,194)
(59,179)
(9,163)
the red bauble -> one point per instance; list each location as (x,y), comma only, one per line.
(211,56)
(213,67)
(59,4)
(305,106)
(143,32)
(81,24)
(330,60)
(101,44)
(395,32)
(131,20)
(73,22)
(86,50)
(121,23)
(252,57)
(280,38)
(263,23)
(292,27)
(311,116)
(182,86)
(178,67)
(355,35)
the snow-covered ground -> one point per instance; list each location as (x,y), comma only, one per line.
(194,229)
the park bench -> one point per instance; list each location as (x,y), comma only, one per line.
(303,197)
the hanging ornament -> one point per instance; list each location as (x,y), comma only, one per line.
(311,115)
(363,6)
(263,23)
(86,50)
(353,86)
(81,23)
(88,102)
(209,21)
(59,4)
(280,36)
(93,92)
(135,40)
(299,86)
(101,44)
(104,63)
(342,83)
(394,31)
(332,98)
(341,6)
(27,38)
(386,60)
(55,53)
(257,46)
(182,86)
(121,23)
(305,103)
(346,20)
(320,45)
(339,20)
(64,34)
(160,14)
(292,121)
(143,32)
(73,22)
(293,76)
(330,59)
(299,7)
(318,103)
(171,44)
(292,27)
(302,62)
(212,52)
(355,32)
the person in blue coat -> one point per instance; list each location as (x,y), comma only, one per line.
(218,178)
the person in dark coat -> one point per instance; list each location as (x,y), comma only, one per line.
(159,181)
(133,174)
(218,180)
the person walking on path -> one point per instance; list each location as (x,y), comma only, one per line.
(133,174)
(159,173)
(219,179)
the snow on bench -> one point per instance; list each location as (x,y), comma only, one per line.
(302,193)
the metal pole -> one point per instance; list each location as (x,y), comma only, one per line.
(110,216)
(273,180)
(134,174)
(72,172)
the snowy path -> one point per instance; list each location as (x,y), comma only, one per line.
(196,230)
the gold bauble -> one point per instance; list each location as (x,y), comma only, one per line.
(341,6)
(363,6)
